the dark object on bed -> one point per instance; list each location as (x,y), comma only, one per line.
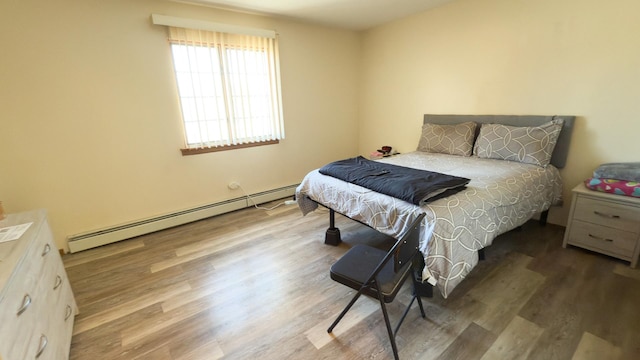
(412,185)
(380,275)
(385,150)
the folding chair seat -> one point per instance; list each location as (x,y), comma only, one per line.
(380,274)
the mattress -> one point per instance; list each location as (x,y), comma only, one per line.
(501,196)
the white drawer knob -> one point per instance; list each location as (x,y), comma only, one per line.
(26,301)
(606,215)
(46,250)
(599,238)
(58,282)
(42,345)
(68,312)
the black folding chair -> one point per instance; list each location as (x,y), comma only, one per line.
(380,274)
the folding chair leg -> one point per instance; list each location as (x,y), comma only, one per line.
(421,307)
(417,295)
(404,315)
(353,301)
(392,336)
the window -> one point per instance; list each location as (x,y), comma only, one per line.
(229,88)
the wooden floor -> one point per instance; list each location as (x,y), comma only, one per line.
(255,284)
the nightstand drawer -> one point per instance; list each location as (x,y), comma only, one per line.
(602,239)
(608,214)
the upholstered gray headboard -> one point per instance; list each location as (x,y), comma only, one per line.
(559,156)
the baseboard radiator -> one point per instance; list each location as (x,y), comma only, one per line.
(88,240)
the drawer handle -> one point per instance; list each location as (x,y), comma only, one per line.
(599,238)
(58,282)
(42,346)
(46,250)
(68,312)
(606,215)
(26,301)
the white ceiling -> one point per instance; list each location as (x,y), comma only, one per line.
(348,14)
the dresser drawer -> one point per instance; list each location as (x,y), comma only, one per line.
(61,324)
(18,329)
(614,242)
(19,297)
(26,275)
(618,216)
(24,330)
(20,311)
(26,319)
(55,317)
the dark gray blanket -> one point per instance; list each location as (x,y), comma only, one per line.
(411,185)
(628,171)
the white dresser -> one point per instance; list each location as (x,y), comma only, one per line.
(605,223)
(37,307)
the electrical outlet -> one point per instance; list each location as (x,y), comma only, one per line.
(234,185)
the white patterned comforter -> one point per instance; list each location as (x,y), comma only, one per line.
(501,196)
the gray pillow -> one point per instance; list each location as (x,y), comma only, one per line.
(531,145)
(448,139)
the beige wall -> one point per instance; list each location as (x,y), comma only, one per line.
(89,118)
(569,57)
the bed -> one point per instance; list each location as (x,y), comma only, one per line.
(505,189)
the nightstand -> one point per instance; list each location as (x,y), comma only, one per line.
(605,223)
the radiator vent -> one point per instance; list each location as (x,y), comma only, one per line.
(121,232)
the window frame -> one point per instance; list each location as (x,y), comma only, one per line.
(270,98)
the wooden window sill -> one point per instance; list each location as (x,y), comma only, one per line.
(196,151)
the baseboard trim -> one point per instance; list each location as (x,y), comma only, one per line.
(92,239)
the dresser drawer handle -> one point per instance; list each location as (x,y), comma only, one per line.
(68,312)
(58,282)
(599,238)
(606,215)
(26,301)
(46,250)
(42,346)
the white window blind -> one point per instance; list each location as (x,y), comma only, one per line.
(229,87)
